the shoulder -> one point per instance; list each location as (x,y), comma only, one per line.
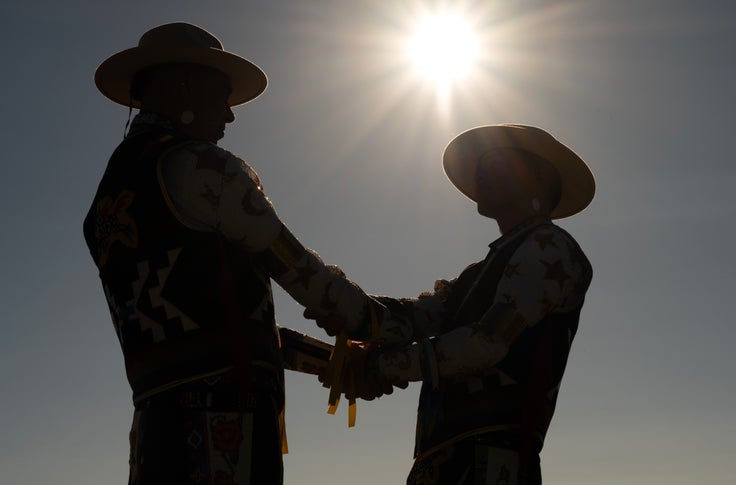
(204,156)
(551,238)
(551,243)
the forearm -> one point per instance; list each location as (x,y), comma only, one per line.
(306,278)
(410,320)
(462,351)
(387,322)
(466,350)
(303,353)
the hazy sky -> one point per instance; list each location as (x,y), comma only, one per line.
(347,140)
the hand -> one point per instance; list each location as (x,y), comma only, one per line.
(330,323)
(354,380)
(361,376)
(368,382)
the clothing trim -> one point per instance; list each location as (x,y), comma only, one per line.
(518,230)
(473,432)
(170,385)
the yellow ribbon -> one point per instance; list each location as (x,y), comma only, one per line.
(282,427)
(336,369)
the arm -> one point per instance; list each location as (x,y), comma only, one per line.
(414,318)
(547,273)
(210,189)
(302,353)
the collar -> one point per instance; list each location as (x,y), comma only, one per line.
(146,120)
(519,230)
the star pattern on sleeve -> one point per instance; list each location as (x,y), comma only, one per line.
(511,270)
(546,305)
(553,275)
(578,259)
(545,239)
(556,272)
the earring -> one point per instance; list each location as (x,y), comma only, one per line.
(535,204)
(187,116)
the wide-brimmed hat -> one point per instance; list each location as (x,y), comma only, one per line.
(178,42)
(462,154)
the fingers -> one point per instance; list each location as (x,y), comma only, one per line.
(310,314)
(362,378)
(322,377)
(331,324)
(376,384)
(381,385)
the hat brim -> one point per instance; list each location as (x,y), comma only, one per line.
(461,156)
(115,75)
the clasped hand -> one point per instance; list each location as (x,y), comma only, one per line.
(330,323)
(361,377)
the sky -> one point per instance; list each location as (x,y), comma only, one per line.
(347,140)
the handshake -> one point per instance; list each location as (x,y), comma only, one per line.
(353,371)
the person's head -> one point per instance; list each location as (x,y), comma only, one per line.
(193,97)
(515,171)
(515,181)
(182,71)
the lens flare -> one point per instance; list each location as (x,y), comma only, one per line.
(443,48)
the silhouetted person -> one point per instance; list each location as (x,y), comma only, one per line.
(186,244)
(490,345)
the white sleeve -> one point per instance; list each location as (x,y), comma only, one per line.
(547,273)
(210,189)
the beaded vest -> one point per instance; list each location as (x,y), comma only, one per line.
(184,302)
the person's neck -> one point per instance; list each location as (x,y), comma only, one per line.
(507,222)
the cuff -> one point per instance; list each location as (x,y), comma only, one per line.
(401,365)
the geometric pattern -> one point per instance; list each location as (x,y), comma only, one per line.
(147,301)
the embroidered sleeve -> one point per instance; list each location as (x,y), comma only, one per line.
(465,350)
(322,288)
(210,189)
(548,273)
(412,319)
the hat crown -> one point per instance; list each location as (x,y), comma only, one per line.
(462,154)
(178,43)
(179,34)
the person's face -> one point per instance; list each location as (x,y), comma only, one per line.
(503,182)
(207,94)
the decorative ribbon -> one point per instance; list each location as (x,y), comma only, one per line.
(334,378)
(282,428)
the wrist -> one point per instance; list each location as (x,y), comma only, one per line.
(428,363)
(400,365)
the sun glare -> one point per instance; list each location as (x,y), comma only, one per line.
(443,48)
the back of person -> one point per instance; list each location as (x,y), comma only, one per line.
(178,312)
(165,282)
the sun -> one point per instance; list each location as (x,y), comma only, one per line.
(443,48)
